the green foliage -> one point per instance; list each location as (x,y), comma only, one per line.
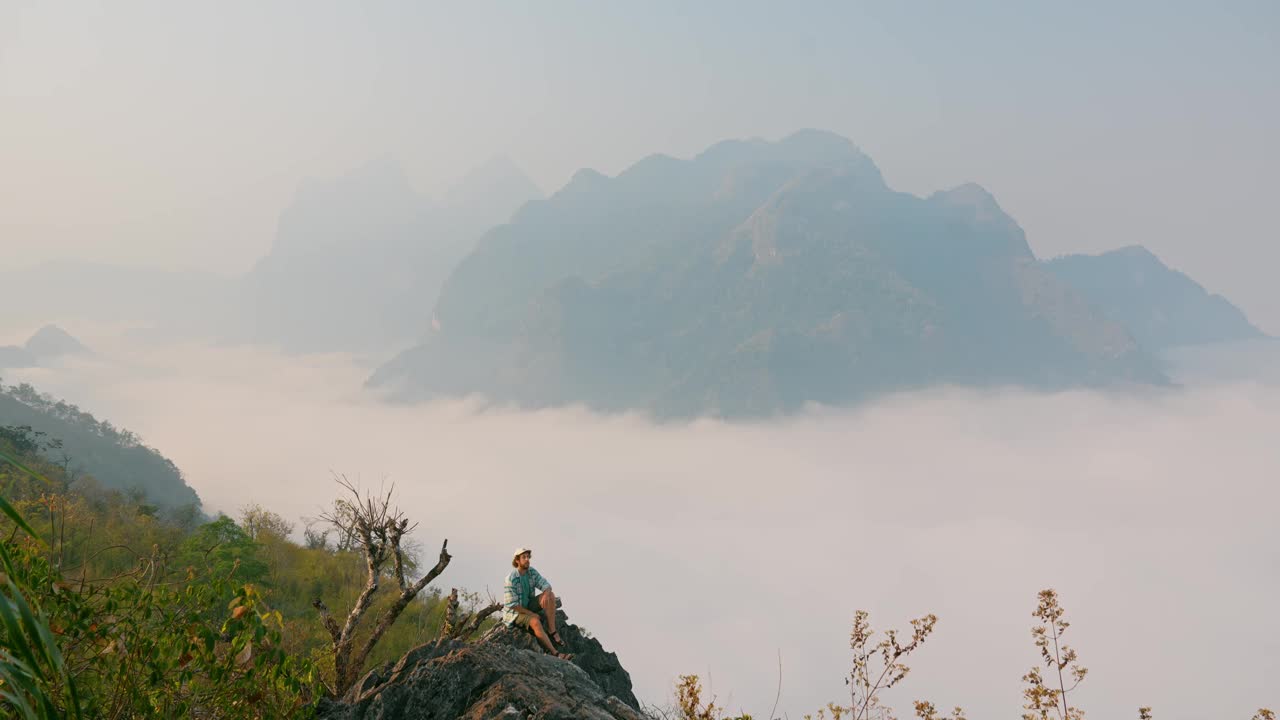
(161,614)
(34,680)
(259,522)
(27,441)
(147,640)
(223,548)
(142,647)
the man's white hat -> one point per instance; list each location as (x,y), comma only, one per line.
(520,551)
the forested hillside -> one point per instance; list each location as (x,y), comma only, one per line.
(83,444)
(169,615)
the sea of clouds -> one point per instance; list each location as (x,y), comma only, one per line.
(717,548)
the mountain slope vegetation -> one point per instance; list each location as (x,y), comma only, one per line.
(113,456)
(752,279)
(139,613)
(1162,307)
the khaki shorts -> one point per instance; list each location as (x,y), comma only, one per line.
(523,620)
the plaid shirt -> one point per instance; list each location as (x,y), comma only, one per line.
(518,593)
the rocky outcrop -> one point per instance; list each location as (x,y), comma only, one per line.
(600,665)
(504,674)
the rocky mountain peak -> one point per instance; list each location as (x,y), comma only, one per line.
(504,674)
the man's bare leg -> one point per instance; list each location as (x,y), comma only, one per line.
(547,600)
(536,626)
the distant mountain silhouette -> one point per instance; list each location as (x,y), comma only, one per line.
(49,343)
(1163,308)
(356,265)
(752,279)
(358,261)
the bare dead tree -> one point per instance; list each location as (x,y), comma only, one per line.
(339,519)
(460,626)
(377,529)
(451,611)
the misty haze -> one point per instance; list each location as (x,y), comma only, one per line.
(743,319)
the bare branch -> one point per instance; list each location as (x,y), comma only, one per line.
(472,623)
(390,614)
(450,614)
(395,535)
(371,524)
(327,619)
(778,695)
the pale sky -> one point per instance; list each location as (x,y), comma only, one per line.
(172,134)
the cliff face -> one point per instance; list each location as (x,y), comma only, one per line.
(504,674)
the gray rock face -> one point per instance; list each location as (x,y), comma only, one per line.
(504,674)
(602,666)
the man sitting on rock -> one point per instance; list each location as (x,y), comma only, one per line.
(521,607)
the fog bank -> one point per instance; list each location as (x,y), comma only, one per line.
(709,548)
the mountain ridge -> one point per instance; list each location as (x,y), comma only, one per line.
(358,260)
(115,457)
(751,279)
(49,343)
(1163,307)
